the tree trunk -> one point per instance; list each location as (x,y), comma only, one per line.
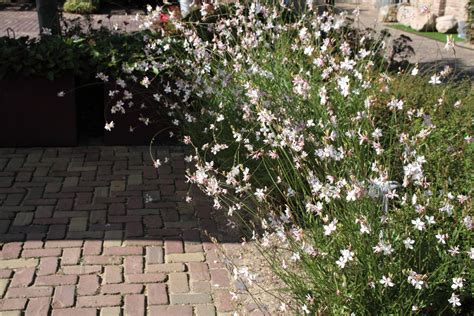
(48,16)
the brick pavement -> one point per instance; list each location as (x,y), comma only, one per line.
(25,23)
(99,231)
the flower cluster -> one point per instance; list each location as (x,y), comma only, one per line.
(340,171)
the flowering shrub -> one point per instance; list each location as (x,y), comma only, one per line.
(354,181)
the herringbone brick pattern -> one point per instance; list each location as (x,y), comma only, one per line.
(100,231)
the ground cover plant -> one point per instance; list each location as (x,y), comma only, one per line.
(354,180)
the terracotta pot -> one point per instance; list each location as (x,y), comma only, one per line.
(32,114)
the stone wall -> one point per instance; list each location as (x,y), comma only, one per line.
(457,8)
(444,7)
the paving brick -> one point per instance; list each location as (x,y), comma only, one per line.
(190,298)
(63,244)
(116,209)
(145,278)
(5,273)
(71,256)
(171,310)
(82,269)
(154,255)
(152,221)
(70,182)
(110,311)
(173,246)
(166,267)
(56,280)
(39,253)
(11,250)
(75,312)
(117,185)
(33,244)
(92,247)
(185,257)
(3,287)
(200,286)
(78,224)
(11,313)
(198,271)
(113,274)
(113,238)
(65,205)
(178,282)
(133,229)
(121,288)
(29,292)
(143,242)
(38,306)
(23,219)
(133,265)
(205,310)
(13,304)
(102,260)
(47,266)
(123,251)
(86,235)
(23,277)
(223,301)
(64,296)
(88,285)
(220,278)
(99,300)
(157,294)
(98,217)
(134,305)
(18,263)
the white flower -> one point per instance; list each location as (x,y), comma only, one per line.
(454,251)
(449,43)
(454,300)
(416,280)
(470,253)
(415,71)
(386,281)
(419,224)
(346,256)
(46,31)
(260,194)
(429,220)
(109,126)
(305,309)
(61,94)
(384,247)
(434,80)
(157,163)
(330,228)
(343,84)
(295,257)
(441,238)
(102,77)
(408,243)
(467,221)
(457,283)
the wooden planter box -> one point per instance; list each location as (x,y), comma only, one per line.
(142,134)
(32,114)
